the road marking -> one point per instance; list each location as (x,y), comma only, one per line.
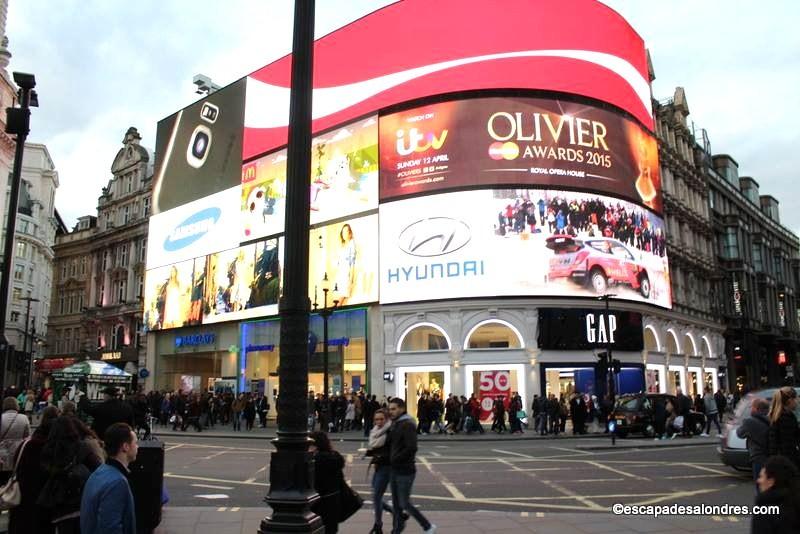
(548,506)
(222,508)
(682,477)
(212,456)
(178,446)
(717,471)
(205,479)
(501,451)
(218,447)
(434,453)
(577,451)
(235,509)
(349,458)
(582,480)
(617,471)
(561,489)
(213,496)
(524,514)
(449,486)
(539,514)
(679,494)
(210,486)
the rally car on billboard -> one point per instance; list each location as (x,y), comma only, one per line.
(597,263)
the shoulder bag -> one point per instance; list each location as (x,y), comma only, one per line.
(10,494)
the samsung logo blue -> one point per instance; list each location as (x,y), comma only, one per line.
(192,229)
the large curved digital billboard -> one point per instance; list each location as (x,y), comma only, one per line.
(417,48)
(526,167)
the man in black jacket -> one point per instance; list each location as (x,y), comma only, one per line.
(402,456)
(755,429)
(111,410)
(684,407)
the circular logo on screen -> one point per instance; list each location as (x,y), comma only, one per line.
(507,150)
(434,236)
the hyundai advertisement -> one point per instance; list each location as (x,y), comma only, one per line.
(538,242)
(517,142)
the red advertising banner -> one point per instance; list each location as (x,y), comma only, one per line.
(491,385)
(517,142)
(419,48)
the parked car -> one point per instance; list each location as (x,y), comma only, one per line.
(634,414)
(597,263)
(732,449)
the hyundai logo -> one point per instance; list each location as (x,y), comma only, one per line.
(192,229)
(434,236)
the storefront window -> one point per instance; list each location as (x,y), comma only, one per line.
(347,353)
(194,371)
(493,335)
(424,337)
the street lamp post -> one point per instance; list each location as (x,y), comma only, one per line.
(18,121)
(291,470)
(325,312)
(27,328)
(609,378)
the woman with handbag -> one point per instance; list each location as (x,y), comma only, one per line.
(14,428)
(68,460)
(27,518)
(337,501)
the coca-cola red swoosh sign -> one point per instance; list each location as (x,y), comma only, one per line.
(418,48)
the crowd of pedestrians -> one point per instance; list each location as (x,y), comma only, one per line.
(773,442)
(71,478)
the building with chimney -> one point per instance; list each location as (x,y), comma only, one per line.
(99,276)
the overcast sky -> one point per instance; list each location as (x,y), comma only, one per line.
(105,65)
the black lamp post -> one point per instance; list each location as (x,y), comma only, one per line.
(25,338)
(18,121)
(325,312)
(291,471)
(610,368)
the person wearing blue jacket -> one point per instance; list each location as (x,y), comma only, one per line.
(107,503)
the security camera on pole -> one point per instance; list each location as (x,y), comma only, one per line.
(18,121)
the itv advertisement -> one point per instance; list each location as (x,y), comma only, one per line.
(517,142)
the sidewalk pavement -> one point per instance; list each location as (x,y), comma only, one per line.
(594,441)
(235,520)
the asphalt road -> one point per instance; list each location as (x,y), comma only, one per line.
(516,476)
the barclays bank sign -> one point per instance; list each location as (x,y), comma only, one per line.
(195,340)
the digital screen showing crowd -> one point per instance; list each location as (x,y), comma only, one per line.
(343,181)
(521,242)
(518,142)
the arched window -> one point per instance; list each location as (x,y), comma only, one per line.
(118,339)
(689,346)
(707,348)
(493,334)
(423,337)
(672,342)
(651,342)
